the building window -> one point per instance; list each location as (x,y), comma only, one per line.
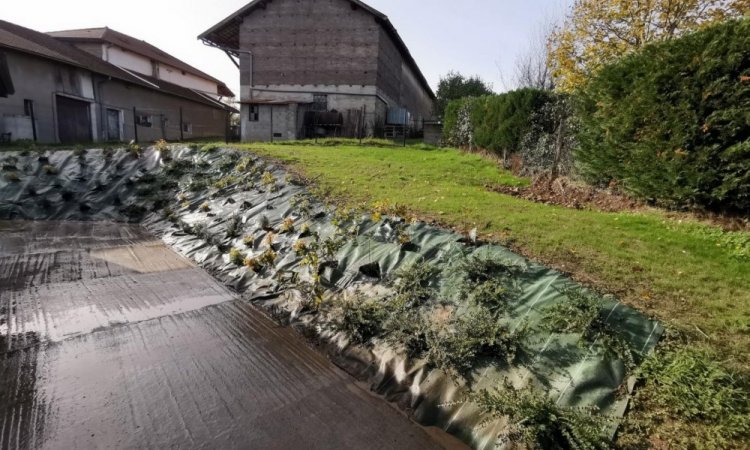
(143,120)
(320,103)
(187,127)
(28,107)
(253,114)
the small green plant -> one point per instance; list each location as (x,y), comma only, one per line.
(300,247)
(360,318)
(209,148)
(236,257)
(50,169)
(539,423)
(268,179)
(287,226)
(260,263)
(205,207)
(12,177)
(136,151)
(456,346)
(225,182)
(234,226)
(581,313)
(243,165)
(248,241)
(413,283)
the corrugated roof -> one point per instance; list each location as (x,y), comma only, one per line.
(32,42)
(226,34)
(114,37)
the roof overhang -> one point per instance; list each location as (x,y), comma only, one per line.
(225,35)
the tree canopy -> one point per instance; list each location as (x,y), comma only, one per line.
(597,32)
(454,86)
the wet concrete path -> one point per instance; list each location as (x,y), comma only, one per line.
(108,339)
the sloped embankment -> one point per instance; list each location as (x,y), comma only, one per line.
(467,337)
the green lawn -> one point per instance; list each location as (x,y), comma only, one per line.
(694,278)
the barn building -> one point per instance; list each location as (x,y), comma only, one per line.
(75,89)
(321,68)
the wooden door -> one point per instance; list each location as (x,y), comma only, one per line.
(113,125)
(73,120)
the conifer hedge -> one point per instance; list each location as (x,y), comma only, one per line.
(671,123)
(496,122)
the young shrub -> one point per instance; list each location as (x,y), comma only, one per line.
(205,207)
(537,422)
(12,177)
(268,179)
(456,347)
(50,169)
(248,241)
(413,283)
(360,319)
(234,226)
(135,150)
(236,257)
(287,226)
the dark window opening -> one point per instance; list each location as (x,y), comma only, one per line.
(320,103)
(187,127)
(253,115)
(143,120)
(277,135)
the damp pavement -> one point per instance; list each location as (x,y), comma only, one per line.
(109,339)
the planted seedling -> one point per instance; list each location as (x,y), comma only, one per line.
(536,421)
(12,177)
(234,226)
(248,241)
(359,318)
(50,169)
(581,313)
(287,226)
(205,207)
(236,257)
(413,283)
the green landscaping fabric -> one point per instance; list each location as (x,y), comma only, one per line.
(573,372)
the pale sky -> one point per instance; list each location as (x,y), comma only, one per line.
(474,37)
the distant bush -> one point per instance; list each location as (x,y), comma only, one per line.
(495,122)
(671,123)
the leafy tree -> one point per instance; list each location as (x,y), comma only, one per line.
(597,32)
(455,86)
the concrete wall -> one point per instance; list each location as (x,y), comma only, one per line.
(40,80)
(185,79)
(129,60)
(164,111)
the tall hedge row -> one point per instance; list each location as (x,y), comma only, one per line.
(671,123)
(497,122)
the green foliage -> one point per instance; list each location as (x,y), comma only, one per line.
(670,123)
(497,122)
(490,283)
(209,148)
(539,423)
(234,226)
(413,283)
(50,169)
(581,313)
(456,346)
(454,86)
(688,388)
(236,257)
(360,318)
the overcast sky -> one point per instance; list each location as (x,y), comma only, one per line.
(479,37)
